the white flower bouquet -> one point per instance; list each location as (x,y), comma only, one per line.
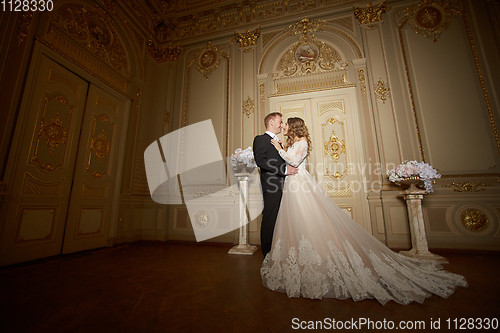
(243,157)
(416,170)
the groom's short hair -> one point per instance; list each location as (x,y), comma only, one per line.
(270,116)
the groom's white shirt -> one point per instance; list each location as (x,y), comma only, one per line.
(275,137)
(272,135)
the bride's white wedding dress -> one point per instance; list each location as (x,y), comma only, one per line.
(318,251)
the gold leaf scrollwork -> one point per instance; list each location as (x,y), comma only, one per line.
(382,91)
(371,14)
(53,132)
(248,38)
(248,106)
(474,220)
(305,26)
(208,59)
(467,187)
(305,53)
(334,147)
(430,18)
(94,29)
(262,92)
(100,145)
(161,54)
(362,80)
(24,27)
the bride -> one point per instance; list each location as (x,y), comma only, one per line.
(318,251)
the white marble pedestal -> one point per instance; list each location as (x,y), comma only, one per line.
(243,247)
(420,250)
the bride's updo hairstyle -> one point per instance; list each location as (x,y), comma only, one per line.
(297,129)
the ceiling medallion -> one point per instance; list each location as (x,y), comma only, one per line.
(208,59)
(474,220)
(371,14)
(430,18)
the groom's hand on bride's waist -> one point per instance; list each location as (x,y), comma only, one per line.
(290,170)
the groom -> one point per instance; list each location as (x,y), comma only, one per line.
(272,176)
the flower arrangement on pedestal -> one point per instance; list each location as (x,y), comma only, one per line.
(242,159)
(411,172)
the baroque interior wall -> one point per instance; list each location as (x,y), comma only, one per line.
(425,75)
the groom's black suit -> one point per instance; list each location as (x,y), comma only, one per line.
(272,177)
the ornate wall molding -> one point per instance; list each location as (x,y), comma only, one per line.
(429,18)
(474,220)
(248,38)
(94,29)
(382,90)
(370,14)
(248,106)
(467,187)
(161,54)
(208,59)
(305,26)
(24,27)
(362,81)
(435,33)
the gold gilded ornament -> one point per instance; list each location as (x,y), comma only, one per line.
(362,80)
(208,59)
(430,18)
(382,90)
(100,145)
(248,106)
(334,147)
(54,132)
(24,27)
(94,29)
(474,220)
(161,54)
(248,38)
(371,14)
(467,187)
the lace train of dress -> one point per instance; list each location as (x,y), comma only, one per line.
(320,252)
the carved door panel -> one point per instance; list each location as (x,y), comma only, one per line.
(90,207)
(44,149)
(337,156)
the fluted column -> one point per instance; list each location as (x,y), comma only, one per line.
(420,250)
(243,247)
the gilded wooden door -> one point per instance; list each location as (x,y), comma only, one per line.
(336,160)
(43,155)
(91,203)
